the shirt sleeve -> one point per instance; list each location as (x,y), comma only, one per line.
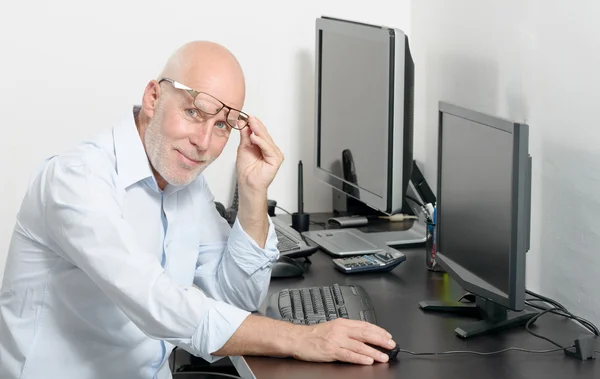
(237,270)
(85,226)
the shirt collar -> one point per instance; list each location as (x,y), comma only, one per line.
(132,161)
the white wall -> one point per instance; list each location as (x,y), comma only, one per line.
(71,68)
(535,61)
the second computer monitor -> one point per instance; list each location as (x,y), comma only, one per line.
(484,190)
(364,111)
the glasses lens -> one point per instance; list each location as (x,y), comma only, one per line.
(237,119)
(208,104)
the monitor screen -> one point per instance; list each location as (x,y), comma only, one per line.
(476,187)
(354,107)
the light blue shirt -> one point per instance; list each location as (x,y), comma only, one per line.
(106,273)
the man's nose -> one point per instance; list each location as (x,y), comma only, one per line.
(202,135)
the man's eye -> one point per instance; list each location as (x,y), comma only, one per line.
(221,125)
(192,112)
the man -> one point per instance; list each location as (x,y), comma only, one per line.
(119,254)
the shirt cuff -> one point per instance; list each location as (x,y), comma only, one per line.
(247,254)
(219,324)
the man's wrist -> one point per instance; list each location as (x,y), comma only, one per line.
(251,194)
(253,204)
(291,339)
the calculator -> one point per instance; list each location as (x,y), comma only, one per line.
(381,261)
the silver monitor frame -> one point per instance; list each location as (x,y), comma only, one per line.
(392,201)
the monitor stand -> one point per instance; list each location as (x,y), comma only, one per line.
(359,220)
(494,317)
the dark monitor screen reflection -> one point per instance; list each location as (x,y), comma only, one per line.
(476,193)
(355,102)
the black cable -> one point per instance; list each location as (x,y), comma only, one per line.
(557,309)
(484,353)
(277,206)
(415,200)
(581,320)
(533,319)
(546,299)
(587,324)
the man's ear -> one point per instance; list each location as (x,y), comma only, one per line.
(150,98)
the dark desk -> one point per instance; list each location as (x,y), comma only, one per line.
(395,296)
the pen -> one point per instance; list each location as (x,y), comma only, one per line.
(300,189)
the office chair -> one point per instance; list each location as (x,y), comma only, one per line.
(203,375)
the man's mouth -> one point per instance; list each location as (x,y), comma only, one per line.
(188,159)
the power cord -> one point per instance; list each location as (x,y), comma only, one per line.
(583,347)
(563,311)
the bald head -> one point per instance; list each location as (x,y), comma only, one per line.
(208,67)
(181,139)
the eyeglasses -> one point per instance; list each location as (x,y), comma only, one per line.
(212,106)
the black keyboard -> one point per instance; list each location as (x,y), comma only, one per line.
(312,305)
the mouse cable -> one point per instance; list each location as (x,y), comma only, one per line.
(450,352)
(527,328)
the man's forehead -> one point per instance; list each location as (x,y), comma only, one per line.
(225,89)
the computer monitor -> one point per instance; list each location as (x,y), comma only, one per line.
(364,134)
(364,113)
(483,214)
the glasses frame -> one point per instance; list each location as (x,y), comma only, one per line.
(194,94)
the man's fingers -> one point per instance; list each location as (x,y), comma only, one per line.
(346,355)
(373,334)
(245,137)
(268,150)
(259,129)
(365,350)
(373,337)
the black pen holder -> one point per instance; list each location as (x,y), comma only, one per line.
(300,222)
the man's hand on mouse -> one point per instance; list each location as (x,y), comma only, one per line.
(343,340)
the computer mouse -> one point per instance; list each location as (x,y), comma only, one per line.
(286,267)
(392,353)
